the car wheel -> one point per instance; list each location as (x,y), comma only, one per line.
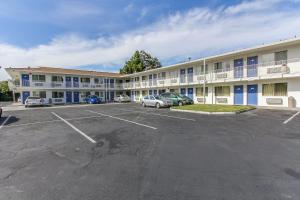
(180,103)
(143,104)
(157,105)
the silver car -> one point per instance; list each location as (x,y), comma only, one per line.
(34,101)
(155,101)
(122,98)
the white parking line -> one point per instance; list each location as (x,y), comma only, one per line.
(292,117)
(49,121)
(163,115)
(3,123)
(125,120)
(76,129)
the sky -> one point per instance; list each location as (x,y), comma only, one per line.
(102,34)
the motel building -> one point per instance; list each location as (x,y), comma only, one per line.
(266,75)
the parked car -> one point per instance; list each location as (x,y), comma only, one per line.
(93,99)
(175,98)
(156,101)
(34,101)
(0,111)
(122,98)
(186,100)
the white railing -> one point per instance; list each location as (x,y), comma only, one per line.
(258,71)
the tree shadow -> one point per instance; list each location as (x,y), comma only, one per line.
(11,120)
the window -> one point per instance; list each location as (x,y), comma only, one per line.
(199,91)
(57,94)
(43,94)
(218,67)
(280,57)
(96,80)
(136,79)
(144,93)
(173,74)
(85,94)
(57,79)
(163,75)
(143,78)
(222,91)
(35,94)
(85,80)
(97,94)
(275,89)
(38,78)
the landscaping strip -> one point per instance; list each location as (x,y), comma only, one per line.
(212,109)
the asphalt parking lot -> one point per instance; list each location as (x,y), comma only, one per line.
(124,151)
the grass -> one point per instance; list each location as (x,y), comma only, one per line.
(215,108)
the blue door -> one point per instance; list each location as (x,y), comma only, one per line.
(132,96)
(69,97)
(25,80)
(238,95)
(68,81)
(182,91)
(252,94)
(25,94)
(252,66)
(182,76)
(112,95)
(76,97)
(238,68)
(190,74)
(75,82)
(191,93)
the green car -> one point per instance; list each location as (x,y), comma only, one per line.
(186,100)
(175,98)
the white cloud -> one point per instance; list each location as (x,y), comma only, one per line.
(197,32)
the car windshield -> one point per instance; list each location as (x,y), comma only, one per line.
(93,96)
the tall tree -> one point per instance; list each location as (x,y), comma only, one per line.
(140,61)
(4,89)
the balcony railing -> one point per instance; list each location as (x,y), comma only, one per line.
(56,84)
(257,71)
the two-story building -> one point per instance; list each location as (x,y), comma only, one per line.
(266,75)
(63,85)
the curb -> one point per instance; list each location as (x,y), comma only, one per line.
(21,108)
(205,113)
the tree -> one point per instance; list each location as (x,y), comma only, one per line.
(140,61)
(4,89)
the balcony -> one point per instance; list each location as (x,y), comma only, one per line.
(68,84)
(85,85)
(56,84)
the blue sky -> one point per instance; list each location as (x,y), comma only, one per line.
(102,34)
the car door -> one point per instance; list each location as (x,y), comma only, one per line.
(152,101)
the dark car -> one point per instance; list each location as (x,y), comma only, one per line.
(175,98)
(186,100)
(92,99)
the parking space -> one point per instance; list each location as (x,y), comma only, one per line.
(148,153)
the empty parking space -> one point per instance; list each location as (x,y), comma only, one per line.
(125,151)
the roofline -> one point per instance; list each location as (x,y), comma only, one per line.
(208,58)
(230,53)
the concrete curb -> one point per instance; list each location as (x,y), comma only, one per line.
(21,108)
(205,113)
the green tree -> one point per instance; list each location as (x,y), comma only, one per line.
(4,89)
(140,61)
